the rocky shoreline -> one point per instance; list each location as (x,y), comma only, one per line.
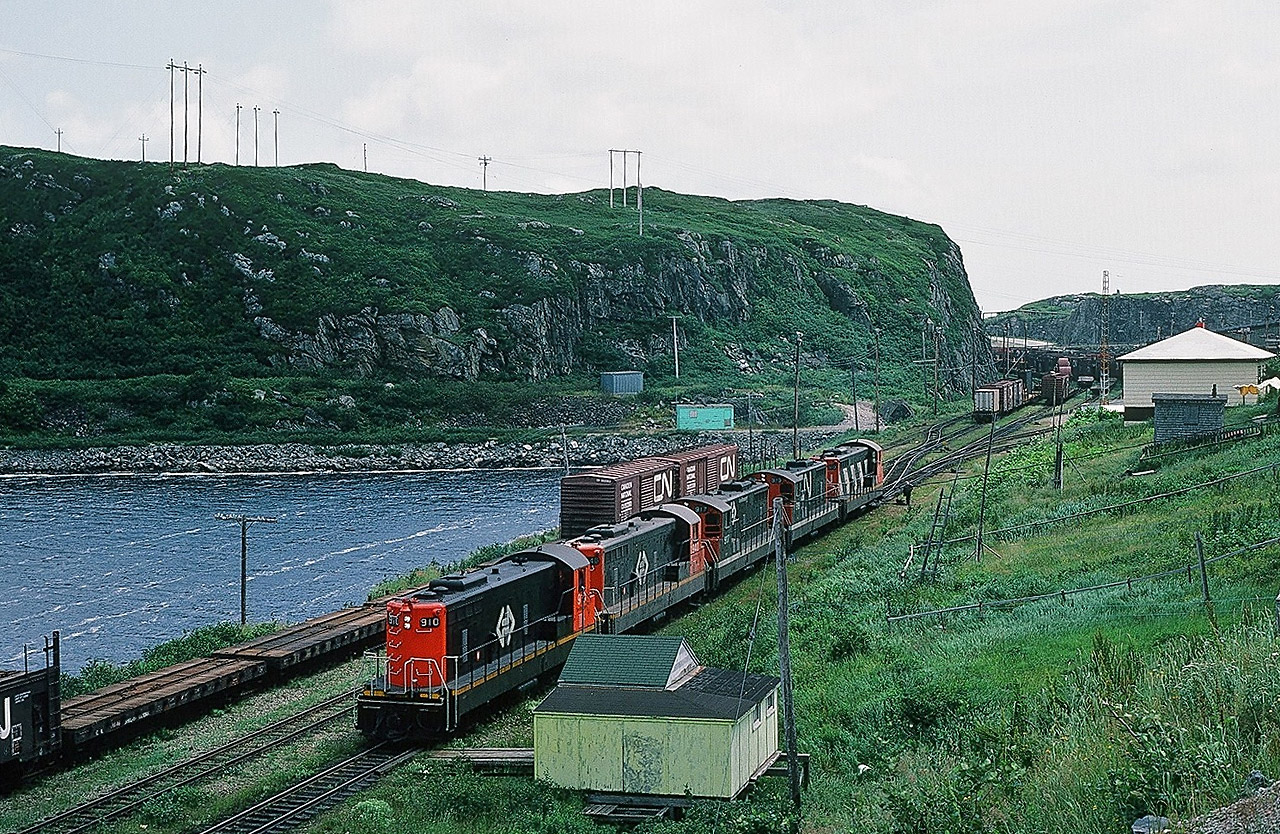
(593,450)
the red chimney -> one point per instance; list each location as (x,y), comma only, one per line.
(1200,323)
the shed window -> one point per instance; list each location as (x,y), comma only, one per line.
(770,705)
(755,717)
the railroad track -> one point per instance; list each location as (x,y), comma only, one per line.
(294,806)
(131,797)
(904,468)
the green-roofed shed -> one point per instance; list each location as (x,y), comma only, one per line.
(627,660)
(636,714)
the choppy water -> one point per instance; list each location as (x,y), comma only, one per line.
(123,562)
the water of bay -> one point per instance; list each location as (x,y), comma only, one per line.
(120,563)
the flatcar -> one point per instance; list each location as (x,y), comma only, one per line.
(472,637)
(31,730)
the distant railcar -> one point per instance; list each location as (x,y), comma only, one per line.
(998,398)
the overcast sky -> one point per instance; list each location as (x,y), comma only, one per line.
(1052,140)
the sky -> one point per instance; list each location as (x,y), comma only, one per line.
(1050,140)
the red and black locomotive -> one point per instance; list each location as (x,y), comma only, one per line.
(471,637)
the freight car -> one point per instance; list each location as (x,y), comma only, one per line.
(31,730)
(616,493)
(1055,386)
(997,398)
(473,637)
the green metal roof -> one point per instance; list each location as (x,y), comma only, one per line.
(648,660)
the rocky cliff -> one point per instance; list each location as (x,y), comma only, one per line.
(1144,318)
(123,271)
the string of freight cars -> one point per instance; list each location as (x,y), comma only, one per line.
(1274,468)
(993,605)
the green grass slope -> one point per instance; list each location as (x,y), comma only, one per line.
(1078,716)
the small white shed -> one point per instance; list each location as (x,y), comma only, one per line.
(1196,361)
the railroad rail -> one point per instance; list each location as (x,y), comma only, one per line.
(131,797)
(295,805)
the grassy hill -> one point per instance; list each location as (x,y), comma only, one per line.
(136,302)
(1076,716)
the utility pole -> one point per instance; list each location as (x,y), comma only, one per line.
(1057,457)
(639,194)
(186,108)
(256,108)
(639,183)
(784,655)
(937,387)
(853,391)
(237,133)
(876,332)
(484,172)
(276,115)
(1104,349)
(366,157)
(982,507)
(795,415)
(143,140)
(172,67)
(244,521)
(59,131)
(675,345)
(199,110)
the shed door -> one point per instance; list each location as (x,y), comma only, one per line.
(641,763)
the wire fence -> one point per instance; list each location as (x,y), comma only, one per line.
(1274,469)
(982,606)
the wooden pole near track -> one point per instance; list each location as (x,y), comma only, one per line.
(982,507)
(784,657)
(244,521)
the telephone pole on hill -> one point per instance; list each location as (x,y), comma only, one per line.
(199,111)
(795,415)
(276,115)
(256,108)
(143,140)
(171,68)
(244,521)
(484,172)
(237,133)
(639,184)
(59,132)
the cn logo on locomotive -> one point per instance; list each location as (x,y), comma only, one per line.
(506,626)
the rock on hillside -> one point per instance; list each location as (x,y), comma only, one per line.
(122,269)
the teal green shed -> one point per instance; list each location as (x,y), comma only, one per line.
(637,714)
(703,417)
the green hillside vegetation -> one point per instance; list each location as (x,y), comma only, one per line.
(1078,716)
(132,300)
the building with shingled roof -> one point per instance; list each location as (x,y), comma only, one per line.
(637,714)
(1196,361)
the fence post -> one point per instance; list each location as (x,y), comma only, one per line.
(1204,583)
(1278,615)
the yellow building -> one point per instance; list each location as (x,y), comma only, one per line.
(637,714)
